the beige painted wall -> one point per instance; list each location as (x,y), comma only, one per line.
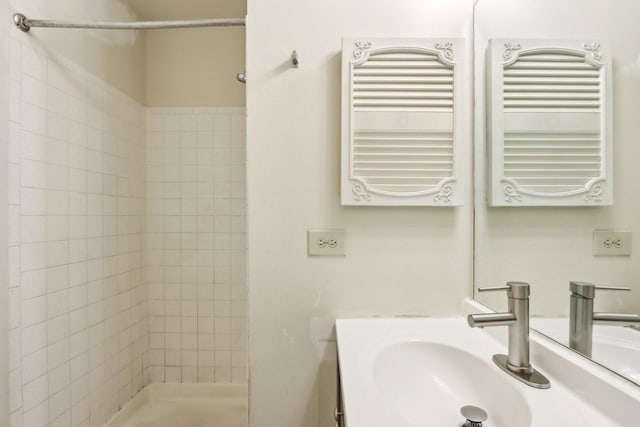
(4,244)
(191,9)
(117,57)
(399,260)
(195,67)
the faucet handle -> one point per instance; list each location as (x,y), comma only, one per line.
(588,290)
(612,288)
(518,290)
(496,288)
(504,288)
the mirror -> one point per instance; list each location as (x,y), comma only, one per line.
(551,246)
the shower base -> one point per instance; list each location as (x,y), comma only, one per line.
(185,405)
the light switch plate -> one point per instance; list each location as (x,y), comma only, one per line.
(611,243)
(326,242)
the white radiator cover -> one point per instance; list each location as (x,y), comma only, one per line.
(401,121)
(549,123)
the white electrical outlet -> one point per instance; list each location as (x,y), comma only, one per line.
(326,242)
(609,242)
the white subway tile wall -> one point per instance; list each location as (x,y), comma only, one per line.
(127,244)
(78,314)
(196,244)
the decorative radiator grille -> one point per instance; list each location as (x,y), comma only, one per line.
(398,123)
(402,162)
(549,129)
(551,82)
(552,162)
(403,80)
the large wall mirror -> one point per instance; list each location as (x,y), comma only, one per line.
(552,246)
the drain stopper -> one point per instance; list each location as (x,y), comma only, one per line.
(475,416)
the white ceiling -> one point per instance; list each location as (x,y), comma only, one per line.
(187,9)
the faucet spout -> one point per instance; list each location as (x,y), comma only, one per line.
(491,319)
(616,319)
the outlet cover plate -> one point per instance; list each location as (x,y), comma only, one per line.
(326,243)
(611,243)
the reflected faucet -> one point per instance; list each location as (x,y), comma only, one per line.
(582,318)
(517,362)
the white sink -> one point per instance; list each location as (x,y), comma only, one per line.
(410,374)
(419,372)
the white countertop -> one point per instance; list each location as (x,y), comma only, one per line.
(369,403)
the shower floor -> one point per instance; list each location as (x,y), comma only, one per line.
(185,405)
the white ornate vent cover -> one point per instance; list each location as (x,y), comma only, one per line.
(401,103)
(549,123)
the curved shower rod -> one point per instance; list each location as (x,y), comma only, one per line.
(25,24)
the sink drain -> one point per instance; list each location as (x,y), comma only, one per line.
(475,416)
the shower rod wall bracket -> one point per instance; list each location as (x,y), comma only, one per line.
(20,21)
(25,24)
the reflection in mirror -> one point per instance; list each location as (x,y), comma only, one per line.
(552,246)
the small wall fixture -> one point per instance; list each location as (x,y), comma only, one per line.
(295,59)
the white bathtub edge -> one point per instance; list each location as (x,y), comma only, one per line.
(158,391)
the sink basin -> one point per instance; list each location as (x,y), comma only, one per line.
(419,372)
(413,373)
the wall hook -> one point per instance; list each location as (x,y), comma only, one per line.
(295,59)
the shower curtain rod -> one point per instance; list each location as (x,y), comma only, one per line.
(25,24)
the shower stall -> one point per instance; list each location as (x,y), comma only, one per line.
(127,212)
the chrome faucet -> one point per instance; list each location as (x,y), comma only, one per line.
(517,362)
(582,317)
